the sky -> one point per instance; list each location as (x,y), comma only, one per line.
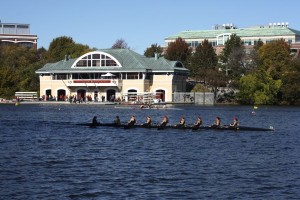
(141,23)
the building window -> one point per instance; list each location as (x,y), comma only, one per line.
(213,43)
(132,75)
(221,39)
(247,42)
(193,44)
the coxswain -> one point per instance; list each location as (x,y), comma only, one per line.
(235,123)
(217,124)
(117,121)
(148,121)
(94,121)
(132,121)
(164,121)
(181,122)
(198,122)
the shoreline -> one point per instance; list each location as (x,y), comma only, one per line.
(10,102)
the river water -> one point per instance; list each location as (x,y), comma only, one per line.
(45,155)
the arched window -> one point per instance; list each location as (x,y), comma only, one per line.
(96,59)
(179,64)
(221,39)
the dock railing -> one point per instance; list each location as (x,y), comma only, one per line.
(201,98)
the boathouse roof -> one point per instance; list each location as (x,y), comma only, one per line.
(113,60)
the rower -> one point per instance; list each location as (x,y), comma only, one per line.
(181,122)
(148,121)
(235,123)
(164,121)
(217,124)
(117,121)
(198,122)
(131,121)
(94,121)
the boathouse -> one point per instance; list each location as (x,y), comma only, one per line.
(113,75)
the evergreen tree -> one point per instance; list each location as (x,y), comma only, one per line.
(203,59)
(231,44)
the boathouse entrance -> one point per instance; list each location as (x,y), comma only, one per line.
(61,94)
(111,95)
(81,94)
(160,95)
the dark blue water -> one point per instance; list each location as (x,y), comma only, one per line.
(44,155)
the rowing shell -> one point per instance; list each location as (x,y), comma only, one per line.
(125,126)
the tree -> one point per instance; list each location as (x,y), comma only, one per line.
(59,48)
(216,79)
(275,58)
(120,44)
(259,88)
(17,70)
(231,44)
(290,83)
(253,58)
(150,52)
(200,88)
(203,59)
(178,51)
(65,46)
(233,59)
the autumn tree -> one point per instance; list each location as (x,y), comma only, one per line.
(203,59)
(178,51)
(120,44)
(265,85)
(275,58)
(150,52)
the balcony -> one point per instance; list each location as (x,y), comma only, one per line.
(93,82)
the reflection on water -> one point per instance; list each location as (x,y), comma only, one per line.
(44,155)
